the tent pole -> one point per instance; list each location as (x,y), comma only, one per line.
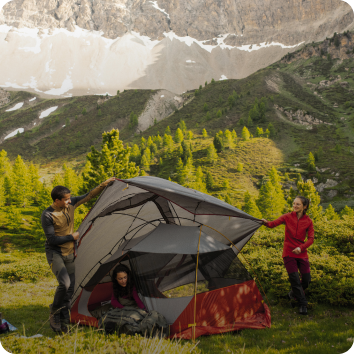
(195,286)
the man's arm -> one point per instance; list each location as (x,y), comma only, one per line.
(76,201)
(48,228)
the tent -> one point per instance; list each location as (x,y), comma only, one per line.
(182,248)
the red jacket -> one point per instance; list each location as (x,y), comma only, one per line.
(295,233)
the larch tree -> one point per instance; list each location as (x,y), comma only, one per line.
(330,213)
(308,190)
(72,180)
(218,143)
(278,198)
(112,160)
(229,139)
(187,153)
(245,134)
(204,133)
(212,155)
(250,207)
(135,154)
(271,130)
(179,136)
(149,142)
(347,212)
(158,141)
(259,132)
(311,162)
(180,172)
(21,189)
(189,175)
(182,126)
(234,136)
(199,184)
(209,181)
(168,130)
(265,201)
(189,135)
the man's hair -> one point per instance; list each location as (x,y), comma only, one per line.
(59,192)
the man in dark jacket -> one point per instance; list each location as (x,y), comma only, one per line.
(58,225)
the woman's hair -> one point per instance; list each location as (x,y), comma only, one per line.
(120,291)
(305,202)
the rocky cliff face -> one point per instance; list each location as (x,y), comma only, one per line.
(131,39)
(245,22)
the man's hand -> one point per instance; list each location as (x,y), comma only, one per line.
(264,221)
(76,235)
(297,250)
(105,183)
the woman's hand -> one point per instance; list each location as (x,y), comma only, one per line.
(264,221)
(297,250)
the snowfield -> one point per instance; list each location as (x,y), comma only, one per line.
(47,112)
(19,130)
(15,107)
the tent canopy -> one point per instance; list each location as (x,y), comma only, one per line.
(170,238)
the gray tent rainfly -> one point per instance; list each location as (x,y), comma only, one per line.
(152,215)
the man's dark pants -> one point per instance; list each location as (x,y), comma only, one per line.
(293,266)
(63,268)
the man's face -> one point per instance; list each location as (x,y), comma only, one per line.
(64,202)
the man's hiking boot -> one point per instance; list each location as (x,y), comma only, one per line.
(303,310)
(54,320)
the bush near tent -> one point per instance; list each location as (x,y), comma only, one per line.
(170,236)
(331,261)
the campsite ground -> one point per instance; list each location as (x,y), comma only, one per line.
(327,329)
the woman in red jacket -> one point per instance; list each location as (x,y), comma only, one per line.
(297,225)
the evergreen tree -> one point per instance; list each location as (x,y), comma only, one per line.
(112,160)
(188,172)
(212,156)
(180,172)
(330,213)
(241,121)
(142,143)
(205,107)
(259,132)
(58,180)
(346,211)
(189,135)
(180,151)
(145,164)
(187,153)
(133,120)
(21,182)
(308,190)
(204,133)
(278,197)
(229,139)
(149,142)
(135,154)
(209,181)
(158,141)
(153,148)
(71,180)
(265,201)
(168,130)
(8,185)
(249,121)
(35,184)
(239,167)
(267,133)
(271,130)
(311,162)
(218,143)
(245,134)
(160,161)
(234,136)
(199,184)
(147,154)
(182,126)
(207,116)
(226,184)
(5,165)
(218,114)
(250,206)
(231,101)
(178,136)
(298,177)
(2,192)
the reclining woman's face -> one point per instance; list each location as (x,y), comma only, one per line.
(122,279)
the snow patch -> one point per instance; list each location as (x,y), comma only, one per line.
(154,4)
(190,61)
(32,99)
(252,47)
(162,96)
(15,107)
(34,123)
(47,112)
(146,40)
(223,77)
(65,87)
(19,130)
(63,126)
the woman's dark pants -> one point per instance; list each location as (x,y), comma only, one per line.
(293,266)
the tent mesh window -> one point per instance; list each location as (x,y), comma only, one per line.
(173,275)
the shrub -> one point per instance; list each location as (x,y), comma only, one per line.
(29,269)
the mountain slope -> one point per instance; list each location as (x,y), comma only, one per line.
(92,47)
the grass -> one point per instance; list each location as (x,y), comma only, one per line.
(325,330)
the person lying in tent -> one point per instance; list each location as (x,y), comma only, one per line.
(124,291)
(58,226)
(297,225)
(129,314)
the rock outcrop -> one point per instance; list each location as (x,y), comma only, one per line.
(4,97)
